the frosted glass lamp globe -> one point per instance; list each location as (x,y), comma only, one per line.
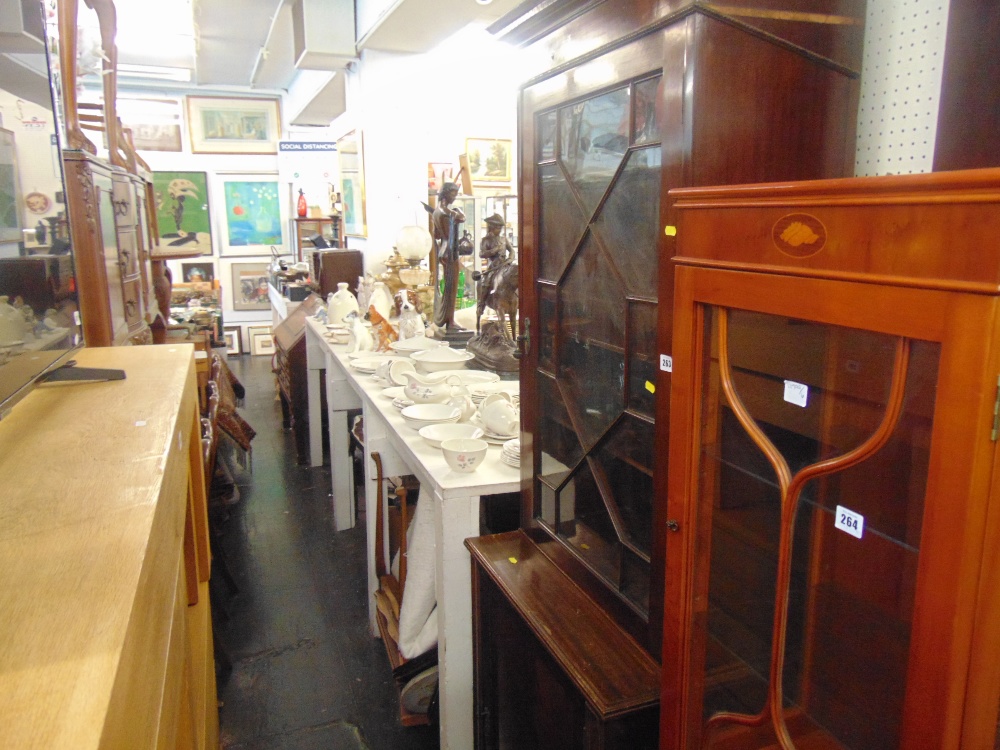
(413,243)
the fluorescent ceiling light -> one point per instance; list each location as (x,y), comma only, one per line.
(157,72)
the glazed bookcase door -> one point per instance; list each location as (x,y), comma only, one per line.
(827,540)
(598,186)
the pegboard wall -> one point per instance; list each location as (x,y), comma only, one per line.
(900,86)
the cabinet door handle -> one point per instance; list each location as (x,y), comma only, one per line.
(673,525)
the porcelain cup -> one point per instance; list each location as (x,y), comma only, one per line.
(499,416)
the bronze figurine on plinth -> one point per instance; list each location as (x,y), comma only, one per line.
(497,289)
(446,221)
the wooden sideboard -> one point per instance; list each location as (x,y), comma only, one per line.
(106,638)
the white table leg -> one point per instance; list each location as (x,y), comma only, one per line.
(340,397)
(315,418)
(454,521)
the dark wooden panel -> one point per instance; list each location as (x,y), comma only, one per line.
(608,667)
(969,113)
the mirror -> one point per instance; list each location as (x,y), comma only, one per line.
(39,321)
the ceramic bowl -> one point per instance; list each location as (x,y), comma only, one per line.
(434,434)
(464,454)
(441,358)
(421,415)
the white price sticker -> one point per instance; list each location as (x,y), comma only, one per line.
(796,393)
(666,363)
(849,521)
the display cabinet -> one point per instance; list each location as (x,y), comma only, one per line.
(831,573)
(602,138)
(305,229)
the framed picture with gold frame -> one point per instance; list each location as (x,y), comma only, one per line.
(224,125)
(489,159)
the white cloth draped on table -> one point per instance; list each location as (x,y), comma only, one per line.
(418,626)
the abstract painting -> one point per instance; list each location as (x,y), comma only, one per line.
(182,210)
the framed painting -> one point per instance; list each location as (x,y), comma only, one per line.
(222,125)
(10,189)
(352,184)
(182,212)
(250,286)
(255,216)
(489,159)
(261,340)
(155,124)
(198,273)
(233,336)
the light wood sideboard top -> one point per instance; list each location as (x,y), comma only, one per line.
(93,493)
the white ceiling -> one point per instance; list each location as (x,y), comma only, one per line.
(249,45)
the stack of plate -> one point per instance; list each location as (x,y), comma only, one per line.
(510,387)
(510,454)
(401,402)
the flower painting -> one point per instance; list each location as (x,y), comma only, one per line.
(253,215)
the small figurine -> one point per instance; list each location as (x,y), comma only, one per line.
(498,283)
(360,339)
(409,310)
(382,329)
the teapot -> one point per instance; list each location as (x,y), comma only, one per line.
(460,399)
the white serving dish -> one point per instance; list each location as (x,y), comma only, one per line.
(416,344)
(421,415)
(465,377)
(441,358)
(435,433)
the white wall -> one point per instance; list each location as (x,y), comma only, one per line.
(37,159)
(416,109)
(900,86)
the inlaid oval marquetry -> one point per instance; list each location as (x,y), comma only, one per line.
(799,235)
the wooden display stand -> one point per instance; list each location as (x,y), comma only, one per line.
(104,561)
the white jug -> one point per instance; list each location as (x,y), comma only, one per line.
(382,299)
(340,304)
(423,389)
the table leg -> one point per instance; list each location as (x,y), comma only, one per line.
(315,417)
(455,520)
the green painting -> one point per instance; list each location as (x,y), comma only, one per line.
(182,210)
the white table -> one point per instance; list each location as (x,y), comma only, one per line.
(455,499)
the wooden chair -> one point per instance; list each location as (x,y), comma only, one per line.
(389,596)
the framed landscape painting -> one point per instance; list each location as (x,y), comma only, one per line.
(489,159)
(223,125)
(182,210)
(255,215)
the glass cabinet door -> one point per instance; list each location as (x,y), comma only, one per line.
(598,171)
(814,454)
(830,513)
